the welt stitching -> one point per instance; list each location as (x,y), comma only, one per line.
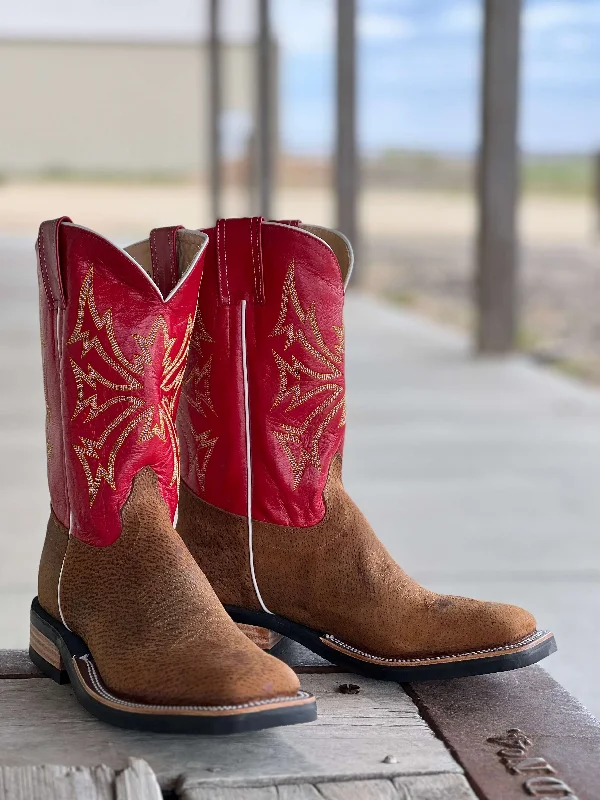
(523,642)
(225,260)
(253,259)
(224,707)
(261,264)
(218,230)
(172,260)
(155,265)
(44,270)
(261,284)
(256,289)
(222,270)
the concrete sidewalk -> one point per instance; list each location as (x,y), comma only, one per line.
(480,477)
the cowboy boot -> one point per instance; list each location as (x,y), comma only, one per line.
(123,611)
(263,509)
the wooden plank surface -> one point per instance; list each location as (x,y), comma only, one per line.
(516,732)
(434,787)
(505,730)
(352,739)
(52,782)
(416,787)
(137,782)
(17,664)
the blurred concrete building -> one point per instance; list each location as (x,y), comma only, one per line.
(115,99)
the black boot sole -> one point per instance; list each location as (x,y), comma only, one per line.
(65,657)
(530,650)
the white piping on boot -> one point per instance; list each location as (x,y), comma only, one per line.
(249,457)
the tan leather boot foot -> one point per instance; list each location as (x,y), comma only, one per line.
(148,644)
(279,539)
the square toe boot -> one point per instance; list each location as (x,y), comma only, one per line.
(123,610)
(263,509)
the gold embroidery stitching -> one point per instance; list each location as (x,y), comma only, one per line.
(204,442)
(49,445)
(197,394)
(290,378)
(153,420)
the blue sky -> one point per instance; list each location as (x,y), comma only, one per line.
(419,74)
(418,63)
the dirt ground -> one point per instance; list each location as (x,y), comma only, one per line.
(132,208)
(417,247)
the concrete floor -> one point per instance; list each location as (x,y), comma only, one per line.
(480,477)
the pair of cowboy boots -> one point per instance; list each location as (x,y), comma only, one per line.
(243,322)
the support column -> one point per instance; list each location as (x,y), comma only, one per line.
(265,112)
(346,161)
(498,180)
(596,169)
(215,157)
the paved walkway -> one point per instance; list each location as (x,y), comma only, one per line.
(481,477)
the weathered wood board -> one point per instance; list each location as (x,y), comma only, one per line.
(42,723)
(512,732)
(416,787)
(52,782)
(17,664)
(517,734)
(137,782)
(562,751)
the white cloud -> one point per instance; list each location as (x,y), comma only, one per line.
(384,26)
(548,16)
(306,28)
(551,16)
(558,73)
(463,17)
(309,28)
(573,42)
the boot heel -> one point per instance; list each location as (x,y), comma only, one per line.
(46,656)
(262,637)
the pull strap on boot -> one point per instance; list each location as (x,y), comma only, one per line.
(163,252)
(238,244)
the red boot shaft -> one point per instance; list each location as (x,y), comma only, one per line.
(114,352)
(263,401)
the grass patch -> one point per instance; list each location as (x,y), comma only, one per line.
(567,175)
(558,174)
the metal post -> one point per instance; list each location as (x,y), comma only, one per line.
(596,168)
(265,138)
(215,165)
(346,166)
(498,180)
